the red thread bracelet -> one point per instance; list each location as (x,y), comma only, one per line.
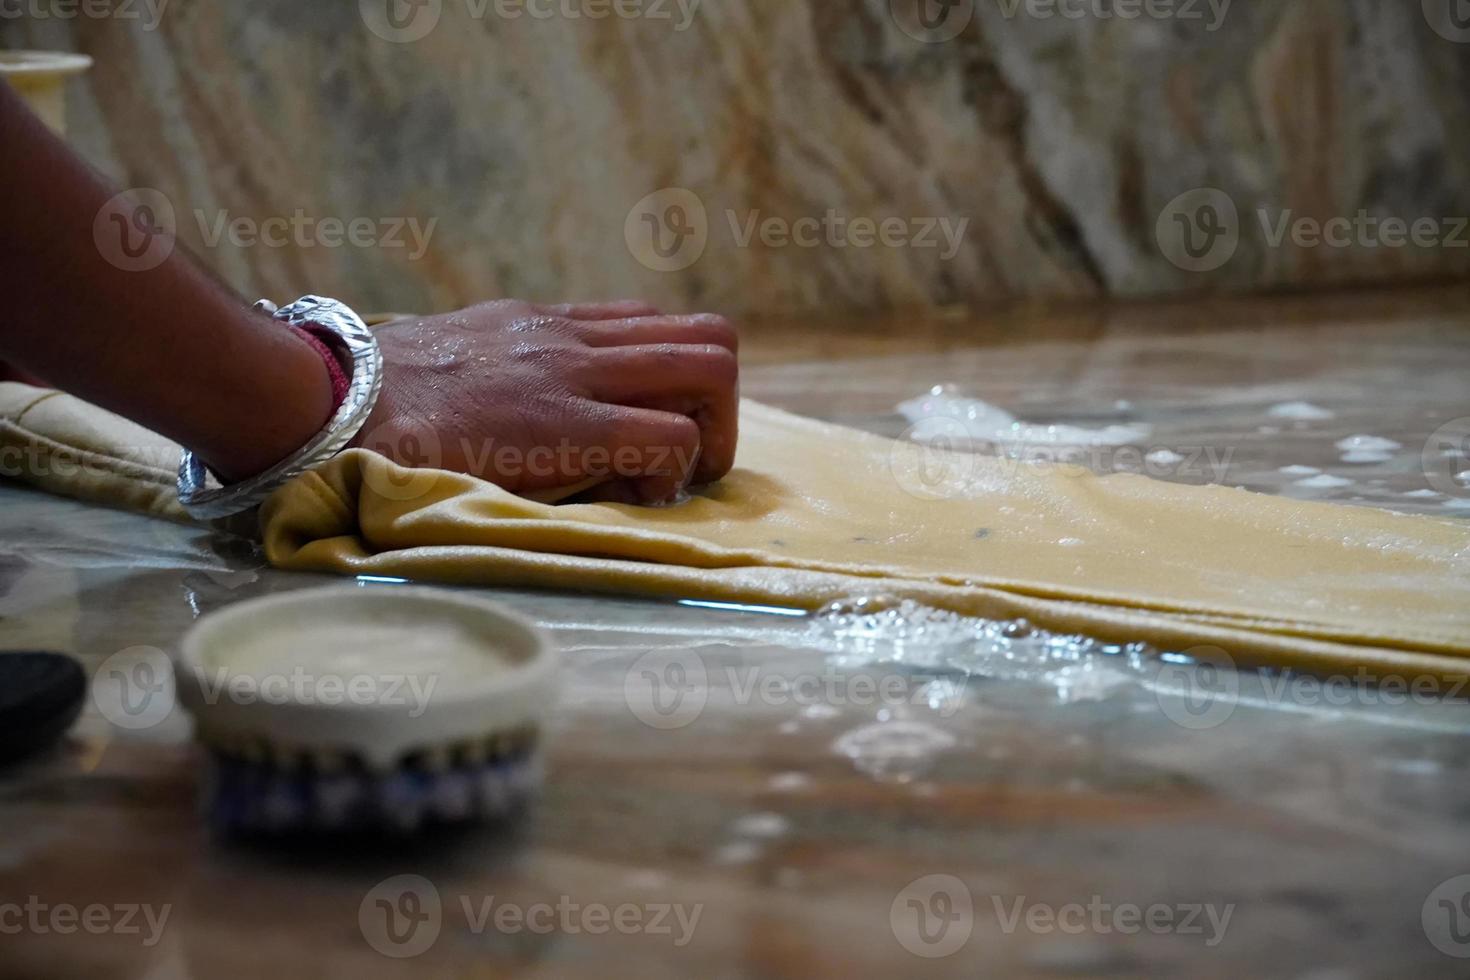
(340,379)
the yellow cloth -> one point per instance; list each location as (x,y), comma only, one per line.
(814,512)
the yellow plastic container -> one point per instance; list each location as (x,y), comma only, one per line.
(40,78)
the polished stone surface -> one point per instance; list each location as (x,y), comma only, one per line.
(800,818)
(1060,139)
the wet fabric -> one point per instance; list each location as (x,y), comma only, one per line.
(814,513)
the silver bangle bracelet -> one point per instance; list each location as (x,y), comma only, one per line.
(207,501)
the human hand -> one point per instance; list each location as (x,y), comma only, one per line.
(541,397)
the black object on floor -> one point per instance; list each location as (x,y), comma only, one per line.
(41,694)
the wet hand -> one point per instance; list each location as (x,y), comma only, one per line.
(542,397)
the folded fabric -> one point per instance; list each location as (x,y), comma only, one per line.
(815,513)
(68,447)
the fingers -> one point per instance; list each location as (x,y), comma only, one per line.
(699,381)
(643,374)
(656,453)
(648,455)
(700,328)
(609,310)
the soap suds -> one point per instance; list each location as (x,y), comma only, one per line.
(866,631)
(1164,457)
(1301,412)
(1362,443)
(986,423)
(1323,482)
(1367,449)
(761,825)
(790,782)
(896,752)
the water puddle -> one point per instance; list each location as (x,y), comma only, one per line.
(870,631)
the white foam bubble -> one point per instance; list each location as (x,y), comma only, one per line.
(1368,444)
(761,825)
(1299,470)
(1164,457)
(790,782)
(934,413)
(1300,411)
(1324,481)
(895,751)
(874,630)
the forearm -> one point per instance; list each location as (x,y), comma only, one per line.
(168,347)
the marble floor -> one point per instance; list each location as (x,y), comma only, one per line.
(980,825)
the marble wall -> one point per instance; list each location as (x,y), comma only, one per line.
(756,155)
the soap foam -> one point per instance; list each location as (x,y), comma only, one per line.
(1300,412)
(867,631)
(1323,481)
(1367,449)
(931,415)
